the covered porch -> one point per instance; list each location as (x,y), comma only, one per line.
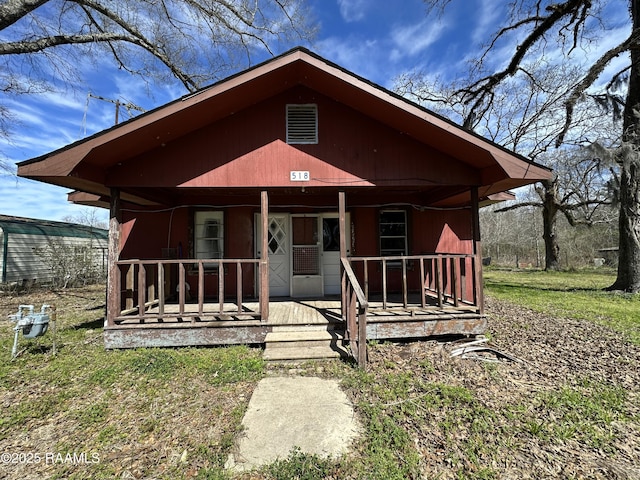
(145,309)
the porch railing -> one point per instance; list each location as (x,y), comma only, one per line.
(146,286)
(354,311)
(444,279)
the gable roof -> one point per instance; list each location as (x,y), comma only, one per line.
(82,165)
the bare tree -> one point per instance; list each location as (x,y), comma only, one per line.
(526,115)
(579,188)
(44,42)
(511,237)
(87,216)
(564,27)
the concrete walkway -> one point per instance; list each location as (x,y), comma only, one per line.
(310,413)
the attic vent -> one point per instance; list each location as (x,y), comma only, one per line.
(302,123)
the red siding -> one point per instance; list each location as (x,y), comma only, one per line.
(249,149)
(147,237)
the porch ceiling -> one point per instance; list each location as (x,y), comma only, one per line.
(83,165)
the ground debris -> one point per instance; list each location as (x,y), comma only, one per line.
(540,408)
(478,348)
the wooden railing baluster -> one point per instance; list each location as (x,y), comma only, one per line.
(181,288)
(455,275)
(439,274)
(142,288)
(221,287)
(405,300)
(161,291)
(200,288)
(384,283)
(423,286)
(239,286)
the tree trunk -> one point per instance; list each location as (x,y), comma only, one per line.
(629,221)
(549,214)
(629,224)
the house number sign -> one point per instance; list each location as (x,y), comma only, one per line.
(299,176)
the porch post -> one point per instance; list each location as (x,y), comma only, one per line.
(113,275)
(477,249)
(264,257)
(342,218)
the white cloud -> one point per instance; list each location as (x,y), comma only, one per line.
(41,123)
(410,40)
(352,10)
(363,57)
(490,13)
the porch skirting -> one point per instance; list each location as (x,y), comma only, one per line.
(185,336)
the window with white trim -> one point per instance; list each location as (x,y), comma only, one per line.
(209,236)
(302,124)
(393,233)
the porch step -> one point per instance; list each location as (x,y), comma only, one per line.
(325,327)
(303,345)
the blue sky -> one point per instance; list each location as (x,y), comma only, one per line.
(376,39)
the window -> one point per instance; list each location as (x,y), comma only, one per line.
(209,236)
(302,124)
(393,233)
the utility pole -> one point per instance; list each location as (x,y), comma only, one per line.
(118,103)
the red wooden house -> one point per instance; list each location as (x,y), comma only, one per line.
(292,193)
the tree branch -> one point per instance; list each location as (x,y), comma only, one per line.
(478,91)
(519,205)
(592,74)
(13,10)
(137,38)
(33,46)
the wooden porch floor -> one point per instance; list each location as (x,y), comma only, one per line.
(281,312)
(288,311)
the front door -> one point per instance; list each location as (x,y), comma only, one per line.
(278,244)
(304,254)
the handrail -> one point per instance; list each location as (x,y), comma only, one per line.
(354,308)
(354,281)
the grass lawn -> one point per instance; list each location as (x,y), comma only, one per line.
(575,294)
(570,410)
